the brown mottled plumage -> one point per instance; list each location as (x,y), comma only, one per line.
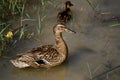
(64,16)
(46,55)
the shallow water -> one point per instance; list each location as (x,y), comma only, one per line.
(94,46)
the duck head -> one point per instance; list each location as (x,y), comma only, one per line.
(62,28)
(68,4)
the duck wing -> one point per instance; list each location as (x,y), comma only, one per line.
(47,56)
(37,49)
(40,56)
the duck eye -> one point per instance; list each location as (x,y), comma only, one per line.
(58,28)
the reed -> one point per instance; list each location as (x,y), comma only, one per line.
(114,25)
(41,18)
(43,2)
(10,8)
(89,70)
(94,6)
(2,40)
(13,8)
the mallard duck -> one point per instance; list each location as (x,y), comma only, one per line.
(46,55)
(64,16)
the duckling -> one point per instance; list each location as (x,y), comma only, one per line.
(47,55)
(65,16)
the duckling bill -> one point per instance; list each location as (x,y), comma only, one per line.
(46,55)
(65,16)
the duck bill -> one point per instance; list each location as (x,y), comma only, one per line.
(70,31)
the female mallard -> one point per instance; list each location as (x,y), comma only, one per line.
(46,55)
(65,15)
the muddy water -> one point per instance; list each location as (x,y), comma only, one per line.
(92,50)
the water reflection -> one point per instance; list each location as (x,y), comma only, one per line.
(55,73)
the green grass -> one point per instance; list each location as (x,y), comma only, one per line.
(10,9)
(114,25)
(17,8)
(2,39)
(43,2)
(94,6)
(40,21)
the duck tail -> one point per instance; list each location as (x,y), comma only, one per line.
(19,64)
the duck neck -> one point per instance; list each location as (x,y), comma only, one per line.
(61,45)
(67,7)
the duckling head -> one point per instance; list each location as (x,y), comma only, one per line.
(62,28)
(68,4)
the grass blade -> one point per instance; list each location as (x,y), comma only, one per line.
(39,22)
(21,34)
(114,25)
(28,20)
(90,73)
(3,30)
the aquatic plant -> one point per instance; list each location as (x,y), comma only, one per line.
(89,70)
(94,6)
(41,18)
(8,9)
(43,2)
(2,38)
(114,25)
(12,8)
(10,37)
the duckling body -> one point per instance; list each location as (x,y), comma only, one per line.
(65,16)
(46,55)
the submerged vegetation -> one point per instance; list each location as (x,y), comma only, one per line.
(10,9)
(95,7)
(98,14)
